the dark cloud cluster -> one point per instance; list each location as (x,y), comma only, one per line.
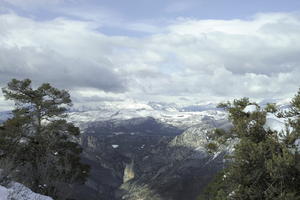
(37,53)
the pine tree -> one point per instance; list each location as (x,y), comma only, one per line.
(265,164)
(39,140)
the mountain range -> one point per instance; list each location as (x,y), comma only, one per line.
(150,151)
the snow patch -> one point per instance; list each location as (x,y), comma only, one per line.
(250,109)
(274,123)
(297,144)
(17,191)
(4,192)
(23,140)
(251,124)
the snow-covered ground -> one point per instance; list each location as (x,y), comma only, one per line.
(17,191)
(275,124)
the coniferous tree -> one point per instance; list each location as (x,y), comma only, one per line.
(265,163)
(39,141)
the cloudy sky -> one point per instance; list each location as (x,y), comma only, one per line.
(158,50)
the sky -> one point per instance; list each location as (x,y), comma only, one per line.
(159,50)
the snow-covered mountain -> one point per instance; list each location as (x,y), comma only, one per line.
(181,116)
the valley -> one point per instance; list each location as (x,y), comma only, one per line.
(153,152)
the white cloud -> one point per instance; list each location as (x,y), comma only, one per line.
(200,59)
(68,53)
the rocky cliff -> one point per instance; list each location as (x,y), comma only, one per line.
(128,172)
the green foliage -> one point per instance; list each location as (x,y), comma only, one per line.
(39,140)
(216,189)
(263,166)
(217,138)
(271,108)
(212,147)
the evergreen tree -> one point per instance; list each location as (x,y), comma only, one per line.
(40,142)
(265,164)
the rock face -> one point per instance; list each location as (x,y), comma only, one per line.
(143,158)
(182,170)
(128,172)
